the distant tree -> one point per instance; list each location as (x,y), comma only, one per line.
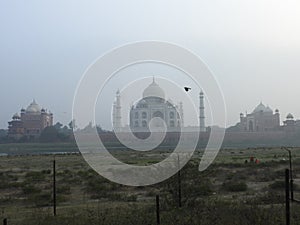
(24,139)
(100,129)
(65,128)
(50,134)
(3,136)
(72,125)
(3,133)
(58,126)
(64,133)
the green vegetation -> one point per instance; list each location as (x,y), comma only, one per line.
(235,186)
(230,191)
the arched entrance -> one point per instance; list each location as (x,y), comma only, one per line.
(251,126)
(160,115)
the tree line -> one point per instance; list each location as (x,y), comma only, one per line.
(55,133)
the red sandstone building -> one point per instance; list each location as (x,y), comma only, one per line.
(30,123)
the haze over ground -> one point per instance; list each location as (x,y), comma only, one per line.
(252,47)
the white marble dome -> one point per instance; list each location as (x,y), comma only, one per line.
(290,116)
(154,90)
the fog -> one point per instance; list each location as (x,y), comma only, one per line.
(252,48)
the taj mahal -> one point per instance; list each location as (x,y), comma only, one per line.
(153,105)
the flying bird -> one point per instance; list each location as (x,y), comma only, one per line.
(187,89)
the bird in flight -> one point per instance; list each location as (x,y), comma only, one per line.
(187,89)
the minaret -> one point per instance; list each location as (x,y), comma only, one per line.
(201,112)
(114,115)
(117,112)
(181,114)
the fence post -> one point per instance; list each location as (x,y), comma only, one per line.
(5,221)
(54,189)
(291,176)
(157,210)
(179,189)
(179,183)
(287,196)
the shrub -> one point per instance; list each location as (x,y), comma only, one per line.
(64,189)
(277,185)
(234,186)
(46,171)
(35,176)
(42,199)
(30,189)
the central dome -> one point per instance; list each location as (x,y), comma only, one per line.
(33,108)
(260,108)
(154,90)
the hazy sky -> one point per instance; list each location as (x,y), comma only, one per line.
(252,47)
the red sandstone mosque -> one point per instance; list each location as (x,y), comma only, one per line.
(264,119)
(30,123)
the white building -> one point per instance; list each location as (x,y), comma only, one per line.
(153,105)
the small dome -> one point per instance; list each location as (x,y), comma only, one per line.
(290,116)
(16,116)
(277,110)
(33,108)
(154,90)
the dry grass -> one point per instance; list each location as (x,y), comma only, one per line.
(229,185)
